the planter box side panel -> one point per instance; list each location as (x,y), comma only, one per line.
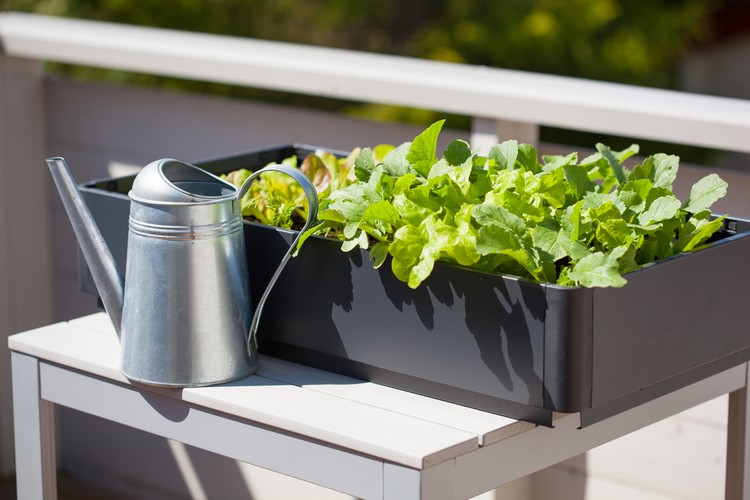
(468,330)
(652,334)
(111,211)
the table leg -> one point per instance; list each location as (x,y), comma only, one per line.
(401,482)
(434,483)
(34,421)
(738,443)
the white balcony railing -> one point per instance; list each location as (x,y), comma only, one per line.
(485,93)
(502,103)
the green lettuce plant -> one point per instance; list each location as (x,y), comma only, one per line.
(278,200)
(558,220)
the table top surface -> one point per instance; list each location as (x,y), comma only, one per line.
(394,425)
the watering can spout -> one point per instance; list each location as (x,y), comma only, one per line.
(98,256)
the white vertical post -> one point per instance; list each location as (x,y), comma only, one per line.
(401,482)
(738,443)
(25,254)
(486,132)
(35,433)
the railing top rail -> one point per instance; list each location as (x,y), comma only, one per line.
(671,116)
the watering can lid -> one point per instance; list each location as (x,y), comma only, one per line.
(173,181)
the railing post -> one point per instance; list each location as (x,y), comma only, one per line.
(486,132)
(25,253)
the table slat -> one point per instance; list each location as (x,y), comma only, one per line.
(487,426)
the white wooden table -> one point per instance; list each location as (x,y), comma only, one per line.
(356,437)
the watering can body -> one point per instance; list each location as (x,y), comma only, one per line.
(183,311)
(186,309)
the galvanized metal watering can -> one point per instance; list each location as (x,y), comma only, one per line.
(183,311)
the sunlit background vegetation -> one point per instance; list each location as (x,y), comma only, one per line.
(638,42)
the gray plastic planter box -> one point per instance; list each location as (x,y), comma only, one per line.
(497,343)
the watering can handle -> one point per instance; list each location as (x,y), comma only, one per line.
(312,214)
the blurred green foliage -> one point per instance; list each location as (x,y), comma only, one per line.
(630,41)
(633,41)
